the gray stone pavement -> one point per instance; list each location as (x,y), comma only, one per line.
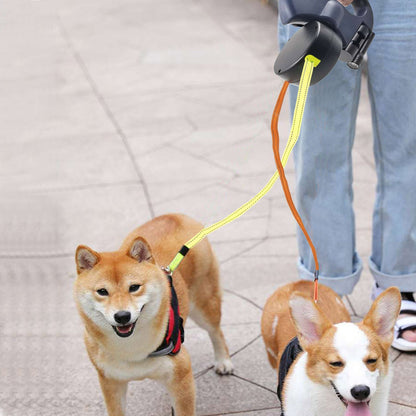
(111,113)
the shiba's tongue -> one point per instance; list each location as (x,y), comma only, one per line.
(124,329)
(357,409)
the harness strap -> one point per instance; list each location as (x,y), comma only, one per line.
(175,334)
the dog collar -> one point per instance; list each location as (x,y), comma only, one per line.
(175,334)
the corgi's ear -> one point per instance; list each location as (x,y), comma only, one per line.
(85,258)
(383,314)
(140,250)
(309,320)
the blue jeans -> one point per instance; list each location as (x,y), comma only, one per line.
(324,167)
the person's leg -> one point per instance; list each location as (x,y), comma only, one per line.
(324,176)
(392,88)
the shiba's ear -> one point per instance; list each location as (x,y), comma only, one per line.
(309,320)
(383,314)
(140,250)
(86,258)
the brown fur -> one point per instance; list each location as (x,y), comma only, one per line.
(277,305)
(196,282)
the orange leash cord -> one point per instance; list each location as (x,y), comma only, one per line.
(285,186)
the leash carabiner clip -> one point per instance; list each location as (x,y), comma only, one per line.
(167,270)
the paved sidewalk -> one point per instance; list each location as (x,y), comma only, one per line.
(113,112)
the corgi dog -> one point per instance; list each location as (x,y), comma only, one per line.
(328,366)
(129,308)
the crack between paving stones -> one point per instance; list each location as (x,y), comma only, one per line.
(242,411)
(35,255)
(198,188)
(254,383)
(238,240)
(233,36)
(275,256)
(244,192)
(244,298)
(107,111)
(198,87)
(203,372)
(244,250)
(245,346)
(398,356)
(203,159)
(85,187)
(411,406)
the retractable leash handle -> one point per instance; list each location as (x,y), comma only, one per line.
(329,32)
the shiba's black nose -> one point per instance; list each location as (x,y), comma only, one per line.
(360,392)
(122,317)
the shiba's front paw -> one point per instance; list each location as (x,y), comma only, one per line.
(224,367)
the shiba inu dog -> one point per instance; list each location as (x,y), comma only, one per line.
(130,309)
(333,367)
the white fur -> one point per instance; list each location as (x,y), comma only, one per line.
(127,358)
(304,397)
(352,346)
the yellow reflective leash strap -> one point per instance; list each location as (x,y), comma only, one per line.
(305,80)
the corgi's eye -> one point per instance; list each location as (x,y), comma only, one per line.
(371,361)
(102,292)
(336,364)
(134,288)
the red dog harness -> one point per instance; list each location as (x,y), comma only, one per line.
(175,334)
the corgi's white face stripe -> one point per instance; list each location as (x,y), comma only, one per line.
(352,345)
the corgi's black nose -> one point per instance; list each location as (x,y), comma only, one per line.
(360,392)
(122,317)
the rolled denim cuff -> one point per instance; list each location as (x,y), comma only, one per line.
(405,282)
(343,285)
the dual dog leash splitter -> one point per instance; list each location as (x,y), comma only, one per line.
(329,32)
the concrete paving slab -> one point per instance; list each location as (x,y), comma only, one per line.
(68,162)
(228,249)
(119,210)
(261,412)
(59,221)
(209,141)
(402,391)
(400,410)
(222,395)
(200,348)
(257,279)
(252,364)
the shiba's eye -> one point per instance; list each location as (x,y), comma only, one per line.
(371,361)
(102,292)
(134,288)
(337,364)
